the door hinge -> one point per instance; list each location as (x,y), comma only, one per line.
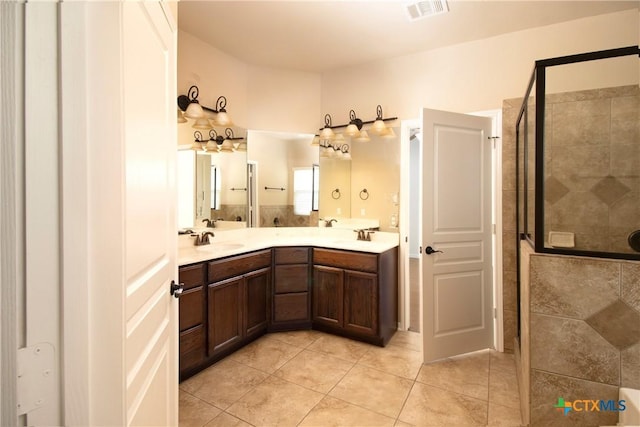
(493,228)
(36,382)
(495,313)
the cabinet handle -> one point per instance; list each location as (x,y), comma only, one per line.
(176,289)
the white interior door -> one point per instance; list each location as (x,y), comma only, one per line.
(150,242)
(456,220)
(121,368)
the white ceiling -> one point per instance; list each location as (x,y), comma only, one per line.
(318,36)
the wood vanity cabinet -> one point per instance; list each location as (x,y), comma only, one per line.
(192,317)
(237,308)
(291,296)
(355,294)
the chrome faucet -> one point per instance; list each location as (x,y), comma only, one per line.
(203,239)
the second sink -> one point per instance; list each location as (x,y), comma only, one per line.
(214,247)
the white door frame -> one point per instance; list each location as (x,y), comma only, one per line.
(253,205)
(404,228)
(11,210)
(496,180)
(404,309)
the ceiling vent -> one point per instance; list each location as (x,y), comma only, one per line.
(426,8)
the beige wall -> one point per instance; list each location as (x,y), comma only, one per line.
(471,76)
(216,74)
(258,97)
(283,100)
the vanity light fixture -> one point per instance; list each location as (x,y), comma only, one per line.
(334,149)
(181,118)
(363,136)
(326,133)
(229,142)
(199,143)
(202,123)
(193,110)
(355,125)
(378,125)
(388,133)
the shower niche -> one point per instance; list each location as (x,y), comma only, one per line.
(578,155)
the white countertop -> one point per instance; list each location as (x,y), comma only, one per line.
(238,241)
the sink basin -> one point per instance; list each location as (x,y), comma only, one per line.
(345,241)
(219,247)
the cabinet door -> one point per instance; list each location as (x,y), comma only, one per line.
(289,308)
(256,291)
(192,348)
(225,314)
(361,302)
(328,295)
(191,314)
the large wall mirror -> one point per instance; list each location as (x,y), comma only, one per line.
(362,190)
(335,188)
(284,178)
(281,181)
(212,185)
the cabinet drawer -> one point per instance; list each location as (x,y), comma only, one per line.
(346,259)
(191,309)
(192,276)
(192,340)
(192,348)
(289,307)
(291,255)
(237,265)
(291,278)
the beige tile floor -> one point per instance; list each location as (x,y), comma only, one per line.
(308,378)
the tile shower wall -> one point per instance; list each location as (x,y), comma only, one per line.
(592,166)
(575,336)
(510,109)
(584,334)
(592,189)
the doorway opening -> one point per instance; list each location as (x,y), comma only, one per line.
(411,278)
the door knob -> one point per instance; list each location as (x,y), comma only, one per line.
(176,289)
(429,250)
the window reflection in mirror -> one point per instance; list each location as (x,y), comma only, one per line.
(211,185)
(224,188)
(284,183)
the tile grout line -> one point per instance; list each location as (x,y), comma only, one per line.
(404,404)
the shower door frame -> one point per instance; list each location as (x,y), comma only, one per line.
(538,79)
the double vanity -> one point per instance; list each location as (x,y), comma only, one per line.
(250,281)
